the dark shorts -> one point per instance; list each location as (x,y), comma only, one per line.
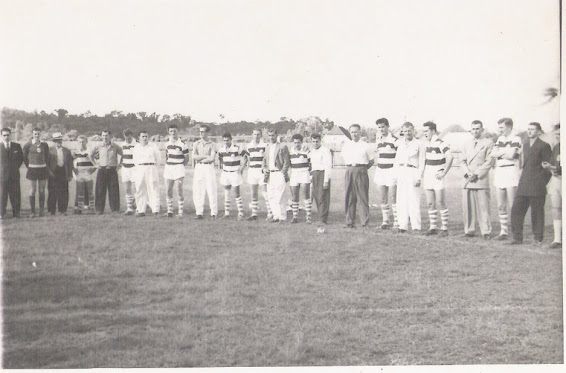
(37,173)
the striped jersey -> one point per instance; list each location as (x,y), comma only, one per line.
(255,153)
(231,158)
(507,143)
(300,159)
(127,157)
(386,151)
(36,155)
(175,152)
(81,160)
(435,154)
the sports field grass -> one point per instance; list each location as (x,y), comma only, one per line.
(119,291)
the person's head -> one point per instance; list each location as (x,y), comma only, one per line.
(105,134)
(128,135)
(256,135)
(316,140)
(203,131)
(356,132)
(297,140)
(505,126)
(35,133)
(227,139)
(382,126)
(144,137)
(82,141)
(534,130)
(556,132)
(172,131)
(477,129)
(6,134)
(408,131)
(58,139)
(272,136)
(429,130)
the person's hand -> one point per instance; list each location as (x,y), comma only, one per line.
(418,183)
(69,178)
(440,175)
(473,178)
(546,165)
(326,185)
(286,178)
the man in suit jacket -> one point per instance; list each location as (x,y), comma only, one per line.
(532,187)
(11,159)
(476,163)
(275,167)
(60,173)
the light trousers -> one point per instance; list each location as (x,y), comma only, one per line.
(204,183)
(476,207)
(147,188)
(408,198)
(275,190)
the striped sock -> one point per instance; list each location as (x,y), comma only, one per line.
(181,204)
(308,207)
(240,206)
(395,221)
(226,202)
(385,213)
(91,203)
(255,205)
(169,205)
(503,220)
(432,216)
(129,202)
(295,208)
(269,212)
(444,219)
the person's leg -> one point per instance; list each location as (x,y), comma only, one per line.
(113,191)
(317,190)
(350,197)
(180,197)
(100,191)
(383,200)
(393,202)
(255,198)
(52,194)
(89,195)
(211,190)
(483,211)
(415,207)
(153,188)
(325,205)
(141,193)
(469,210)
(432,212)
(402,197)
(129,194)
(308,201)
(41,191)
(239,201)
(518,212)
(169,184)
(556,203)
(362,191)
(502,208)
(266,198)
(15,195)
(295,190)
(63,201)
(33,188)
(440,204)
(79,196)
(4,192)
(227,202)
(199,190)
(537,216)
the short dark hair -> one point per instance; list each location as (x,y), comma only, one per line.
(408,124)
(478,122)
(556,127)
(507,121)
(36,129)
(355,125)
(316,136)
(105,130)
(537,125)
(6,129)
(128,132)
(297,136)
(430,125)
(227,135)
(205,126)
(382,121)
(143,131)
(272,130)
(172,125)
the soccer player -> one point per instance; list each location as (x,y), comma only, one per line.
(232,158)
(438,160)
(554,188)
(321,165)
(384,176)
(127,172)
(275,166)
(255,153)
(146,157)
(506,153)
(105,159)
(204,179)
(176,157)
(83,170)
(408,161)
(36,159)
(11,159)
(300,177)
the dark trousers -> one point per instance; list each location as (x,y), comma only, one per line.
(58,189)
(519,210)
(10,187)
(357,189)
(107,180)
(321,196)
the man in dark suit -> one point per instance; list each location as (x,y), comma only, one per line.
(60,173)
(276,165)
(11,159)
(531,190)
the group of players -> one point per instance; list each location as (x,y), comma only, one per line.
(403,166)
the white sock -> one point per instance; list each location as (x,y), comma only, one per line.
(557,230)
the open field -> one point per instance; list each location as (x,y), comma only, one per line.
(119,291)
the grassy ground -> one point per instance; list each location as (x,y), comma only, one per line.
(117,291)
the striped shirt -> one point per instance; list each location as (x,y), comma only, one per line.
(505,144)
(435,154)
(231,158)
(175,152)
(300,159)
(127,157)
(81,160)
(255,153)
(386,151)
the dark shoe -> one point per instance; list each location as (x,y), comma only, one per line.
(17,216)
(140,215)
(308,221)
(555,245)
(501,237)
(431,232)
(487,237)
(240,217)
(294,221)
(199,217)
(77,212)
(402,230)
(129,212)
(156,215)
(536,243)
(223,217)
(41,214)
(102,213)
(63,213)
(350,226)
(468,235)
(443,233)
(168,215)
(395,230)
(32,215)
(416,231)
(251,218)
(213,217)
(273,220)
(515,242)
(385,226)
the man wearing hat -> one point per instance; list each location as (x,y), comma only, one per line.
(531,191)
(60,173)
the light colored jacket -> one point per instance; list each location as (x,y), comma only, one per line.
(475,160)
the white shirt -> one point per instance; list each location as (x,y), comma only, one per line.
(60,160)
(321,160)
(407,152)
(272,157)
(357,152)
(146,154)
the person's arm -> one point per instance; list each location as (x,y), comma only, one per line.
(244,162)
(156,154)
(464,162)
(92,157)
(185,150)
(484,168)
(286,161)
(196,156)
(210,158)
(119,152)
(370,156)
(449,160)
(327,163)
(20,156)
(26,154)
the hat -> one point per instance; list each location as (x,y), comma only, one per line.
(57,136)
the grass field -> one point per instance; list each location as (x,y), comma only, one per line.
(119,291)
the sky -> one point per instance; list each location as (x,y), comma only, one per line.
(450,61)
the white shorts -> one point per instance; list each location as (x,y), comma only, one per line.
(299,177)
(554,187)
(83,175)
(506,177)
(430,182)
(255,176)
(173,171)
(127,174)
(384,176)
(231,178)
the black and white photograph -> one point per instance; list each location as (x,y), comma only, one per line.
(364,185)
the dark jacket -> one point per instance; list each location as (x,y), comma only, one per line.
(67,162)
(282,160)
(10,161)
(534,178)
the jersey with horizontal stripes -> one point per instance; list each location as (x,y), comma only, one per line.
(507,143)
(386,151)
(81,160)
(255,153)
(127,157)
(175,152)
(435,154)
(231,158)
(300,159)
